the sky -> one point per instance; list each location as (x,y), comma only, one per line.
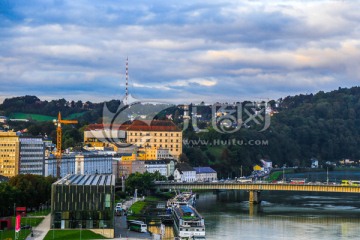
(178,51)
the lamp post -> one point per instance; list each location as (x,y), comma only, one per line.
(80,230)
(283,174)
(327,175)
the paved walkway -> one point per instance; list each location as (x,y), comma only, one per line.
(41,230)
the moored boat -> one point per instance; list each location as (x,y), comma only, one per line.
(188,223)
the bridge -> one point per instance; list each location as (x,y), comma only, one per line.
(254,189)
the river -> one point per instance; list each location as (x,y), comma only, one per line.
(282,215)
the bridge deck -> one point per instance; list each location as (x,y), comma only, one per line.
(261,187)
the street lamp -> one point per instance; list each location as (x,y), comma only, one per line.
(327,175)
(283,174)
(53,231)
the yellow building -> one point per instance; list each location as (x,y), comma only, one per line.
(9,154)
(148,153)
(257,168)
(160,134)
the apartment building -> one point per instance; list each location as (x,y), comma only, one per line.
(9,154)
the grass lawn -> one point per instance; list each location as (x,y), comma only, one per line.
(75,115)
(34,117)
(137,207)
(72,234)
(274,176)
(40,213)
(10,234)
(42,118)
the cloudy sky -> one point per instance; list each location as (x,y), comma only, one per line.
(215,50)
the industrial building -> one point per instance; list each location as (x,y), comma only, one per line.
(84,202)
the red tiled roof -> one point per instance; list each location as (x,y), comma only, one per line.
(100,126)
(139,125)
(154,125)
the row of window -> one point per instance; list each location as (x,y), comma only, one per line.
(7,150)
(7,144)
(155,134)
(7,166)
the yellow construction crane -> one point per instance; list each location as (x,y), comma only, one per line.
(58,153)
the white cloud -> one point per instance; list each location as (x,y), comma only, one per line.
(199,50)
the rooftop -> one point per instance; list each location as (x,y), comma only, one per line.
(204,170)
(154,125)
(87,180)
(184,167)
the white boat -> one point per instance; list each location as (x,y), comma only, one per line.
(188,223)
(184,198)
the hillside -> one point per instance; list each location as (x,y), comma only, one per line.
(325,126)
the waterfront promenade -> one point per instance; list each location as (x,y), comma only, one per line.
(40,231)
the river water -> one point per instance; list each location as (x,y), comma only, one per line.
(281,215)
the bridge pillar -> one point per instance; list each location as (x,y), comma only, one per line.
(254,197)
(254,209)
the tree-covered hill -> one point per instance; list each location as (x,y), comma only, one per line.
(325,126)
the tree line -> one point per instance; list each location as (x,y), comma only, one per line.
(26,191)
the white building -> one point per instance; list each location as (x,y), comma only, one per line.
(314,163)
(204,174)
(153,166)
(184,173)
(267,164)
(32,154)
(82,164)
(163,153)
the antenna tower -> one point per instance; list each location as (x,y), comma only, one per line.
(127,81)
